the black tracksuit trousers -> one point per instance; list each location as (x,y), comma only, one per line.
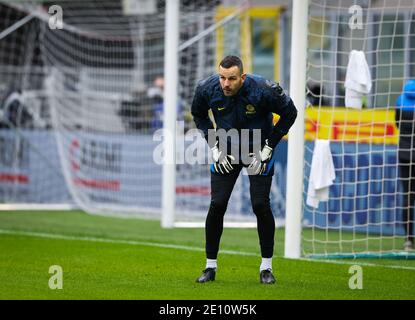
(221,189)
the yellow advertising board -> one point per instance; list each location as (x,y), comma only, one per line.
(350,125)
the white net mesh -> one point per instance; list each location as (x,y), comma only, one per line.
(29,165)
(364,213)
(100,81)
(102,113)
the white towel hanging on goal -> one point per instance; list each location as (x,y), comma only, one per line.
(358,79)
(322,174)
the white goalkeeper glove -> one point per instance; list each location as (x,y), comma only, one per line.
(221,163)
(259,163)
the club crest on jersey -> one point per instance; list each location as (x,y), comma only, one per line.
(250,109)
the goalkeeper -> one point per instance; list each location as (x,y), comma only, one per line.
(241,101)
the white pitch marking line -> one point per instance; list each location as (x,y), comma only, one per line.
(181,247)
(116,241)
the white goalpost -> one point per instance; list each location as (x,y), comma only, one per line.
(170,112)
(296,135)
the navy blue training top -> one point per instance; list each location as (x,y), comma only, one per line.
(251,108)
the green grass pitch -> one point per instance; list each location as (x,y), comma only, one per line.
(110,258)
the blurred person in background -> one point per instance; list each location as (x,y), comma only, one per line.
(13,112)
(405,121)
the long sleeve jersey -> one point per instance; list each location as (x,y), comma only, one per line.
(251,108)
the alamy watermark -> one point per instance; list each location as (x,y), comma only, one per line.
(356,20)
(356,280)
(56,17)
(191,147)
(56,280)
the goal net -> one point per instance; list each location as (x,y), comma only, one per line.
(360,57)
(30,172)
(91,72)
